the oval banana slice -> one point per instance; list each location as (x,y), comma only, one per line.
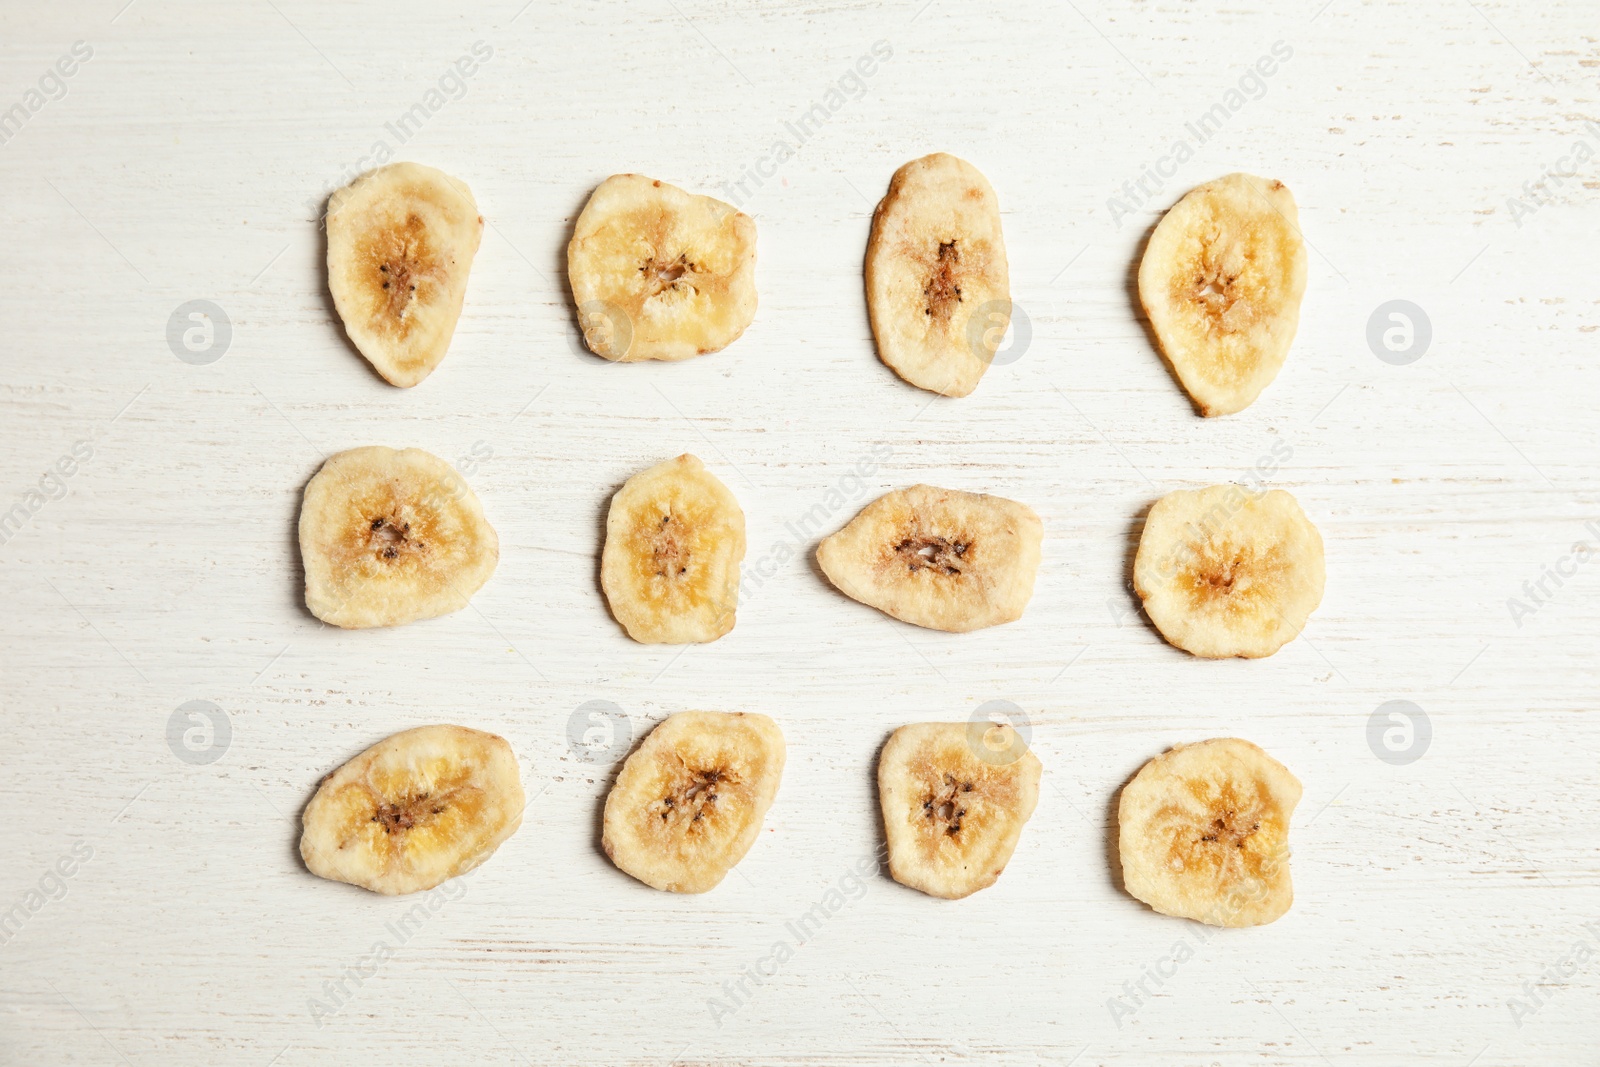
(670,567)
(955,797)
(1221,281)
(392,536)
(938,288)
(414,810)
(658,273)
(401,240)
(1203,832)
(1223,572)
(938,558)
(689,801)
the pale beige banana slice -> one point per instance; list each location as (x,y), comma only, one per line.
(658,273)
(670,567)
(1204,833)
(1221,280)
(938,288)
(689,802)
(955,797)
(414,810)
(401,240)
(1226,572)
(938,558)
(392,536)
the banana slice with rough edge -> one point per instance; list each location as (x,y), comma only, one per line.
(658,273)
(939,558)
(955,797)
(401,240)
(1203,832)
(1225,572)
(670,567)
(414,810)
(391,536)
(1221,281)
(689,802)
(938,288)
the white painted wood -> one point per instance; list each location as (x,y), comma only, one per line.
(186,161)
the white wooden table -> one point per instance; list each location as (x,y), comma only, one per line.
(1439,901)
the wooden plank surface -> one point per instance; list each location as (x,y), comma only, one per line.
(1440,904)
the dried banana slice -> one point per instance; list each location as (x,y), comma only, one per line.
(1204,833)
(938,289)
(689,802)
(414,810)
(670,567)
(401,240)
(1224,572)
(955,797)
(392,536)
(660,274)
(938,558)
(1221,280)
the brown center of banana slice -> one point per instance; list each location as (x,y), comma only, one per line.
(669,555)
(664,274)
(942,292)
(1232,576)
(390,538)
(405,814)
(946,804)
(404,259)
(933,553)
(695,797)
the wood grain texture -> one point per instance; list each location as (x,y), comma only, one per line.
(188,160)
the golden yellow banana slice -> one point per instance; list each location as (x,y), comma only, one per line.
(392,536)
(938,288)
(939,558)
(401,240)
(1221,280)
(955,797)
(689,802)
(670,567)
(414,810)
(658,273)
(1203,831)
(1225,572)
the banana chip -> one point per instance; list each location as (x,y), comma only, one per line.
(389,537)
(670,567)
(660,274)
(689,801)
(414,810)
(955,797)
(1221,281)
(1223,572)
(1204,833)
(938,558)
(938,289)
(401,240)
